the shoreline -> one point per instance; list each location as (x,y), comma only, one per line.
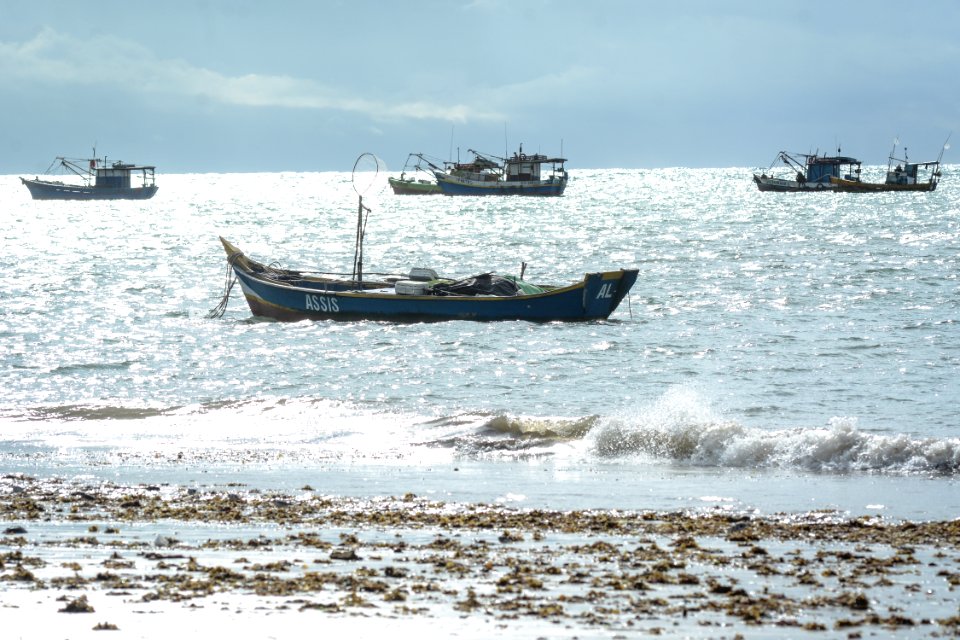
(271,557)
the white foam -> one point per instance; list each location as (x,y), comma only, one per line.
(682,427)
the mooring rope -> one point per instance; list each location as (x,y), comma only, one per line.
(221,308)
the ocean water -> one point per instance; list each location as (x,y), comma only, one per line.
(778,353)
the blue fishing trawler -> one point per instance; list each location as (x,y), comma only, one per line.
(809,172)
(99,181)
(520,174)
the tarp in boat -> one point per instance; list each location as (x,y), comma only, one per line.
(486,284)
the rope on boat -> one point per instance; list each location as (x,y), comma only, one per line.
(221,308)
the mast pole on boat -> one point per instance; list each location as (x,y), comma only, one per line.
(358,250)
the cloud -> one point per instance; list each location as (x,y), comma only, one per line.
(574,85)
(54,58)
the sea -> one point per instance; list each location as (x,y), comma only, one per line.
(779,353)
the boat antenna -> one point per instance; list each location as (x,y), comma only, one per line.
(893,152)
(946,145)
(450,152)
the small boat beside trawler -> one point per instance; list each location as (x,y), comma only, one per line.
(902,175)
(416,179)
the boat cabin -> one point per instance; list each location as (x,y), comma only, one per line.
(521,167)
(909,173)
(820,169)
(906,174)
(117,175)
(481,169)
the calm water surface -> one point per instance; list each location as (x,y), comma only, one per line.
(779,352)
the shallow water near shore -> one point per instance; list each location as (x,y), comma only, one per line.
(779,354)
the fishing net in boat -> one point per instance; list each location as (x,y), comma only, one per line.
(485,284)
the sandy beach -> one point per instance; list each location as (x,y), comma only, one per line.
(154,561)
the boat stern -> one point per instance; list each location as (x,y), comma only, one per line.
(603,292)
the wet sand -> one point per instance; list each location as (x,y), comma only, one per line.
(155,560)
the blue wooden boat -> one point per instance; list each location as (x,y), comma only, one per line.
(520,174)
(810,172)
(100,181)
(285,294)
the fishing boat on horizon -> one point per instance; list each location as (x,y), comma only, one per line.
(520,174)
(100,181)
(843,174)
(810,172)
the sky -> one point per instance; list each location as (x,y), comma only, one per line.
(195,86)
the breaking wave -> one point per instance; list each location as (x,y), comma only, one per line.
(507,436)
(682,429)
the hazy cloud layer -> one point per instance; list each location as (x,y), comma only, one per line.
(57,59)
(244,85)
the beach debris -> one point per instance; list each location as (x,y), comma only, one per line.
(20,574)
(165,541)
(510,536)
(106,626)
(78,605)
(617,571)
(344,553)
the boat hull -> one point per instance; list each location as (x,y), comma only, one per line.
(765,183)
(413,187)
(48,190)
(852,186)
(453,185)
(593,298)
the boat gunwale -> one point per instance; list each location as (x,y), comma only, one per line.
(381,295)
